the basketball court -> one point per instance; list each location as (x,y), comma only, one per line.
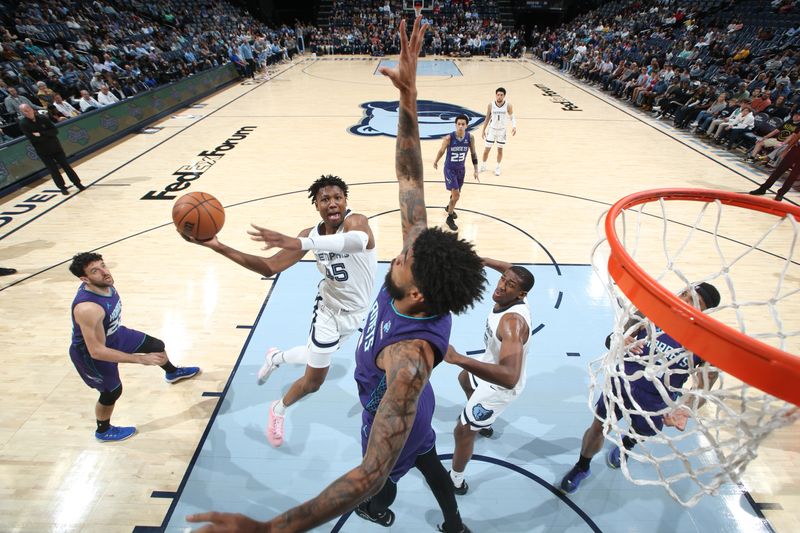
(257,146)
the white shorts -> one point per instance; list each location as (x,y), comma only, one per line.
(486,404)
(329,330)
(496,136)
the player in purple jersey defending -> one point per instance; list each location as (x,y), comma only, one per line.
(456,145)
(100,342)
(406,334)
(643,390)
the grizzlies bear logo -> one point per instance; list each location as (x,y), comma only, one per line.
(436,119)
(480,413)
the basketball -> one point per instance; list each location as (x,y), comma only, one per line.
(198,215)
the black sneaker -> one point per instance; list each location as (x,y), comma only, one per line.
(385,519)
(454,214)
(460,491)
(7,271)
(451,223)
(758,192)
(486,432)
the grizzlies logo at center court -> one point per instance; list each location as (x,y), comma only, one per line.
(436,119)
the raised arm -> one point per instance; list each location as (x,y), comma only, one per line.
(408,365)
(356,238)
(513,332)
(495,264)
(408,154)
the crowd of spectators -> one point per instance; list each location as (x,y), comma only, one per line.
(68,57)
(728,72)
(459,28)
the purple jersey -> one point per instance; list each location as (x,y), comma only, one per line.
(677,361)
(456,152)
(102,375)
(384,327)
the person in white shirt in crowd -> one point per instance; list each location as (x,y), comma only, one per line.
(88,102)
(64,107)
(97,82)
(106,97)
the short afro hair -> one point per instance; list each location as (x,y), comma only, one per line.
(525,277)
(81,261)
(326,180)
(447,271)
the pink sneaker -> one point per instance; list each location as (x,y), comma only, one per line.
(274,429)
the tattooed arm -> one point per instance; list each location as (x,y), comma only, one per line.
(408,155)
(408,366)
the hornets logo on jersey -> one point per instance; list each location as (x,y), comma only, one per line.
(436,119)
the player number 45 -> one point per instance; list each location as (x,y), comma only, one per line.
(337,272)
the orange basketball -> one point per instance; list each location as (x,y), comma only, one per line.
(198,215)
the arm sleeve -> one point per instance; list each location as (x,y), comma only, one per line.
(349,242)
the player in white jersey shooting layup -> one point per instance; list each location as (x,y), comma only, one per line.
(497,377)
(344,249)
(498,115)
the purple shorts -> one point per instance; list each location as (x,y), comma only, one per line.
(420,441)
(639,423)
(453,178)
(104,375)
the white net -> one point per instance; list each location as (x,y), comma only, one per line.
(654,386)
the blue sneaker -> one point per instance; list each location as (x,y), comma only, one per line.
(613,457)
(182,372)
(115,434)
(573,479)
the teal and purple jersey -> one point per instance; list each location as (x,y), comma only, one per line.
(454,169)
(102,375)
(386,326)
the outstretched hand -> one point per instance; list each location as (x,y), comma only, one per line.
(209,243)
(228,523)
(404,76)
(273,239)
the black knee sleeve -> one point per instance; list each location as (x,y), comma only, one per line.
(110,398)
(151,345)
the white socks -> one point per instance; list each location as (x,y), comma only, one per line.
(294,356)
(279,409)
(457,477)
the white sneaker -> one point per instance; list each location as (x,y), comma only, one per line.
(483,167)
(269,365)
(497,170)
(274,429)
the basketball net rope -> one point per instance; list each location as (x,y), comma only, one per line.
(728,419)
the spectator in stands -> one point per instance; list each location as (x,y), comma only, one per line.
(43,135)
(96,82)
(775,139)
(44,94)
(246,54)
(704,118)
(759,100)
(88,102)
(106,97)
(14,101)
(778,109)
(64,107)
(735,129)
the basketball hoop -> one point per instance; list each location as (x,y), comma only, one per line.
(663,242)
(417,8)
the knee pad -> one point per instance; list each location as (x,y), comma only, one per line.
(110,398)
(151,345)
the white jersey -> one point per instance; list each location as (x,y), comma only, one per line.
(349,278)
(492,353)
(499,116)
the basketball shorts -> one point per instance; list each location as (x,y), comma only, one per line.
(453,178)
(329,330)
(641,424)
(486,404)
(104,375)
(496,136)
(420,441)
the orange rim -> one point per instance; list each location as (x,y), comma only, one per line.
(763,366)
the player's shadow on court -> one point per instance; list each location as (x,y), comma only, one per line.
(16,251)
(199,411)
